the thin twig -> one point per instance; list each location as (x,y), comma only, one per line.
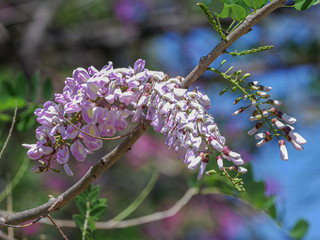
(9,209)
(15,180)
(137,202)
(10,130)
(57,227)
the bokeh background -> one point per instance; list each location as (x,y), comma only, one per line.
(41,42)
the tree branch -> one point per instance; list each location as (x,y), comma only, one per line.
(244,28)
(108,160)
(94,172)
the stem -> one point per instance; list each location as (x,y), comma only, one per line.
(237,25)
(10,130)
(57,227)
(233,22)
(225,76)
(85,224)
(244,28)
(15,180)
(137,202)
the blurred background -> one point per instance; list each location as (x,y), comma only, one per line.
(41,42)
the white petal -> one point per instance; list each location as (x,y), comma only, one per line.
(238,161)
(288,119)
(296,145)
(252,131)
(195,162)
(234,155)
(242,170)
(297,138)
(260,135)
(262,142)
(283,152)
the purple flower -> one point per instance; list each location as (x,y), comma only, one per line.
(78,150)
(63,155)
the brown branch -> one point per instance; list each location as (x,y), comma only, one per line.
(57,227)
(246,208)
(244,28)
(94,172)
(125,146)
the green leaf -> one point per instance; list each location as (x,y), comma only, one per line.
(47,89)
(91,224)
(225,12)
(10,103)
(255,4)
(242,4)
(78,220)
(20,86)
(303,5)
(237,12)
(300,229)
(217,7)
(30,121)
(8,88)
(93,194)
(98,211)
(5,117)
(81,204)
(34,84)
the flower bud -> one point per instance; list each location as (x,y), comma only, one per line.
(278,123)
(274,102)
(246,75)
(255,128)
(242,170)
(283,150)
(286,118)
(255,118)
(240,110)
(219,162)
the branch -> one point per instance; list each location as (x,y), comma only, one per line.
(10,130)
(112,224)
(108,160)
(94,172)
(157,216)
(244,28)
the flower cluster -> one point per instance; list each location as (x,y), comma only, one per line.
(97,104)
(182,116)
(280,124)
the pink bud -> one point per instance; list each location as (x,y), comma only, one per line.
(240,110)
(255,129)
(278,124)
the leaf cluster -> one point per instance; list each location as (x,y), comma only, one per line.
(236,9)
(91,209)
(25,92)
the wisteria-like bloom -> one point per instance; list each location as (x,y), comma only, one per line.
(96,104)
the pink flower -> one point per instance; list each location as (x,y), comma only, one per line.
(78,150)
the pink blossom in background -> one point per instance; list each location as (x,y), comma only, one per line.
(130,11)
(272,187)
